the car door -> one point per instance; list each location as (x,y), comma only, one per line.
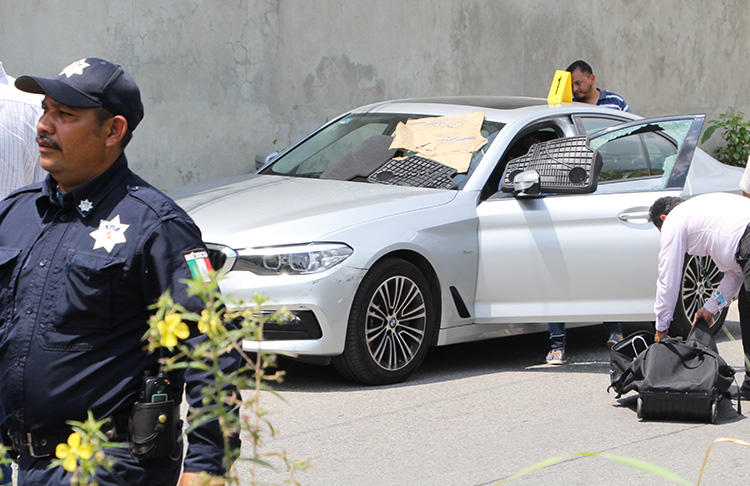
(585,257)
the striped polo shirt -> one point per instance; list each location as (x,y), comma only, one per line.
(19,153)
(608,99)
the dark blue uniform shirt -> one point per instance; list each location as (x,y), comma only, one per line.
(76,280)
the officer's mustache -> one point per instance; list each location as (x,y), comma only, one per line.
(47,141)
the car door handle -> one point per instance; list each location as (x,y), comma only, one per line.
(631,216)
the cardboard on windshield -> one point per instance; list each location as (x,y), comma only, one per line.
(450,140)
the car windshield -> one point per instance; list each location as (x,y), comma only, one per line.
(357,148)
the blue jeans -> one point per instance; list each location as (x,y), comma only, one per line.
(557,333)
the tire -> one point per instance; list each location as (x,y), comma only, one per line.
(694,291)
(391,325)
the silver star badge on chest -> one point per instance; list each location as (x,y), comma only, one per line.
(109,233)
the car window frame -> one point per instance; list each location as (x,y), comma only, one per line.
(577,120)
(685,154)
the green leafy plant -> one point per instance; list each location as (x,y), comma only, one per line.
(644,466)
(226,324)
(4,458)
(83,452)
(628,461)
(736,135)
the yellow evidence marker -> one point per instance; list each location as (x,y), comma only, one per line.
(561,90)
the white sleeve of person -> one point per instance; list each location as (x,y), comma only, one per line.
(671,258)
(745,181)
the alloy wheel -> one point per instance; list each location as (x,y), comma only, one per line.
(395,323)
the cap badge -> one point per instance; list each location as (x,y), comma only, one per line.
(85,205)
(75,68)
(109,234)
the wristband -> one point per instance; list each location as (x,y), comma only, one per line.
(719,299)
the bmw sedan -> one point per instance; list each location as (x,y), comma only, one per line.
(408,224)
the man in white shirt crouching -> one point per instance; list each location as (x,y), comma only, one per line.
(710,224)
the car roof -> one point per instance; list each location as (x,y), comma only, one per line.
(494,102)
(497,108)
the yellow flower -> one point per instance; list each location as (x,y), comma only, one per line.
(71,451)
(170,329)
(208,324)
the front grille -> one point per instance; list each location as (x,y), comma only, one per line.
(302,325)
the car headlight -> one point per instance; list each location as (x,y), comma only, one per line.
(292,259)
(222,257)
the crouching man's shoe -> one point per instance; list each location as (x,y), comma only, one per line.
(613,339)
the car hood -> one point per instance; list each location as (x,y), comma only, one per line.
(268,210)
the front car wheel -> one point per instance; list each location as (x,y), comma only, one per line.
(390,326)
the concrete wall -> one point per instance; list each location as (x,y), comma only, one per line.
(222,80)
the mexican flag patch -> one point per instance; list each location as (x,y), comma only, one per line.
(198,263)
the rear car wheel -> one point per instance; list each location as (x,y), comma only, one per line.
(700,277)
(391,325)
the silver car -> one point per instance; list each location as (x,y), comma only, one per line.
(377,265)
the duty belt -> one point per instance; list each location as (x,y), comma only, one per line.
(35,444)
(41,444)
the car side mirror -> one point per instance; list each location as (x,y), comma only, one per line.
(563,166)
(526,184)
(265,158)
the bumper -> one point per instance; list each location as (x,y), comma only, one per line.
(325,298)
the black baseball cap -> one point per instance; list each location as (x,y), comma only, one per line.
(88,83)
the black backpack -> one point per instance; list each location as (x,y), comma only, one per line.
(675,378)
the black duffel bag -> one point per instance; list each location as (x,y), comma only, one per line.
(676,378)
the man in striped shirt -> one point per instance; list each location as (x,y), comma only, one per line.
(19,153)
(585,90)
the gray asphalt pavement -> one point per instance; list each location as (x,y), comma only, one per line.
(476,413)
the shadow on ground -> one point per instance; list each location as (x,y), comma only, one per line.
(586,352)
(586,349)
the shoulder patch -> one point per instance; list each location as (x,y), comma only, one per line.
(198,263)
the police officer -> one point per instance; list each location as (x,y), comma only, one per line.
(82,256)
